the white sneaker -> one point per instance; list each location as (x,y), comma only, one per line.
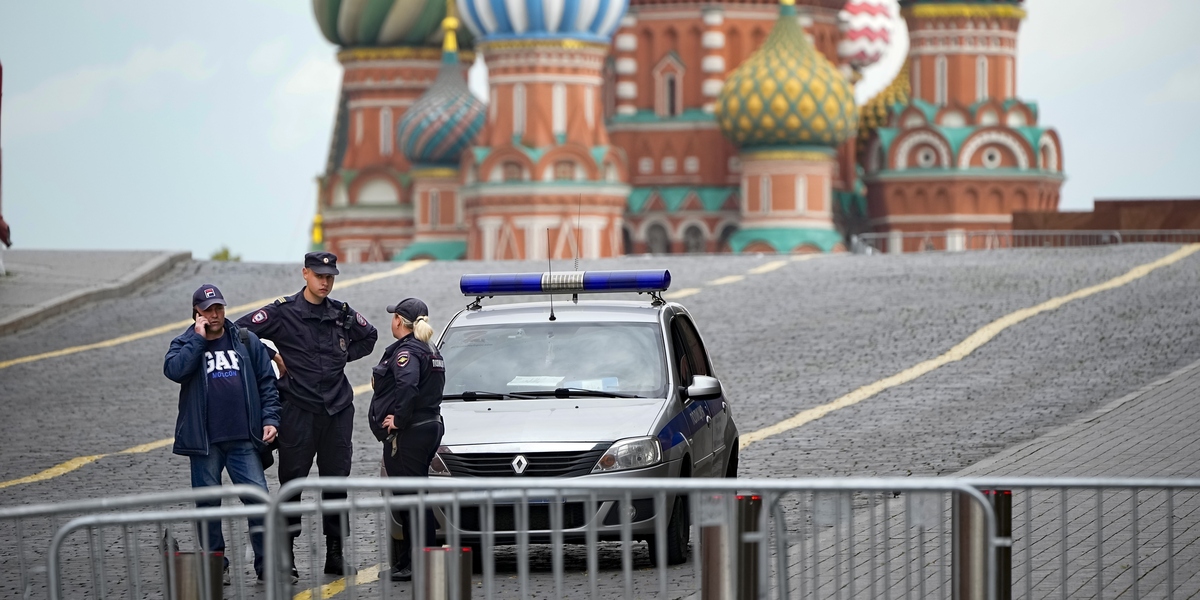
(225,578)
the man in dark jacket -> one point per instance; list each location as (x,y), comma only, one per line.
(228,408)
(316,336)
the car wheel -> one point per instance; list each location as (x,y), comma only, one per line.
(679,533)
(732,466)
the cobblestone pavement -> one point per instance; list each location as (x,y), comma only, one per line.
(783,340)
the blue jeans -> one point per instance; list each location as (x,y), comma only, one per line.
(240,459)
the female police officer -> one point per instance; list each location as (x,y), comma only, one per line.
(406,411)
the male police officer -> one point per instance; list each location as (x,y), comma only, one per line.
(316,337)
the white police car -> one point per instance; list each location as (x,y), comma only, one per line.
(592,388)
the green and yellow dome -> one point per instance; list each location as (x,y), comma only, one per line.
(787,93)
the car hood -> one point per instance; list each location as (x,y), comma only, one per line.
(548,420)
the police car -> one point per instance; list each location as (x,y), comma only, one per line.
(581,388)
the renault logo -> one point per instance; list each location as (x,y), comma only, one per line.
(519,463)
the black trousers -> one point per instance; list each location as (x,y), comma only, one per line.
(303,435)
(415,448)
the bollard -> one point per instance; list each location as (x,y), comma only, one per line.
(186,573)
(1002,505)
(718,569)
(748,509)
(437,573)
(968,550)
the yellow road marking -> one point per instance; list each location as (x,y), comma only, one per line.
(683,293)
(962,349)
(804,257)
(727,279)
(407,267)
(363,577)
(768,267)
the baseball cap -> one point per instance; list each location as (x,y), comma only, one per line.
(409,308)
(206,296)
(321,263)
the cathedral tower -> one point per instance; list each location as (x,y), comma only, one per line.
(390,51)
(543,179)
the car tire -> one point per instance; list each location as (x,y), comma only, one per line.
(731,467)
(679,533)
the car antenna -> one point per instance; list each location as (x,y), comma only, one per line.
(550,268)
(578,244)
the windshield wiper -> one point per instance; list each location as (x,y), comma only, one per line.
(471,396)
(573,392)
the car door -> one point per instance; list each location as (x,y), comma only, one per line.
(716,408)
(695,412)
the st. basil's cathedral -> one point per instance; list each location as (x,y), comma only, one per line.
(671,126)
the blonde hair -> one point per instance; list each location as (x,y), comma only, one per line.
(421,328)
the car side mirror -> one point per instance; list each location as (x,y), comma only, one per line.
(704,388)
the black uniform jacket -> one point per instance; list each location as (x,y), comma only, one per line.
(408,383)
(316,342)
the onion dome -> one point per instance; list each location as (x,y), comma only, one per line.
(447,117)
(878,110)
(866,31)
(584,20)
(787,93)
(357,23)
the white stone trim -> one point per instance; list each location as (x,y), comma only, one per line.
(629,20)
(626,109)
(713,63)
(712,40)
(712,87)
(993,137)
(625,66)
(545,78)
(627,90)
(912,139)
(625,42)
(379,103)
(1046,141)
(950,218)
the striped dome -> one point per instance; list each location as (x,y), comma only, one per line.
(585,20)
(356,23)
(446,118)
(786,94)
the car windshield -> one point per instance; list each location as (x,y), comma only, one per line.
(625,358)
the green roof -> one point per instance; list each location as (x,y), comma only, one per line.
(784,240)
(711,198)
(649,116)
(438,250)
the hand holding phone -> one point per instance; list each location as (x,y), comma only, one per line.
(201,322)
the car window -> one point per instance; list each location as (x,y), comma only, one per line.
(695,349)
(679,355)
(611,357)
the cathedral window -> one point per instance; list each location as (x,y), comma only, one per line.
(658,240)
(981,78)
(646,165)
(564,170)
(693,239)
(940,80)
(691,164)
(512,171)
(991,158)
(669,85)
(669,165)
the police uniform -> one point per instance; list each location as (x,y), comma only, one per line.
(316,341)
(408,384)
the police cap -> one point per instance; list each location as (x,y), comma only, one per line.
(410,309)
(321,263)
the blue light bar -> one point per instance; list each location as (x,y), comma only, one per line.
(571,282)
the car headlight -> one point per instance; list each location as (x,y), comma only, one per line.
(633,453)
(437,467)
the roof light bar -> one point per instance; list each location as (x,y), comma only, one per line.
(572,282)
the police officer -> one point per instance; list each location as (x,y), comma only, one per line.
(316,336)
(406,411)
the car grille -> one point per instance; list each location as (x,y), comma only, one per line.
(541,464)
(471,517)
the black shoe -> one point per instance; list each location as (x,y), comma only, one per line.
(225,578)
(402,573)
(335,563)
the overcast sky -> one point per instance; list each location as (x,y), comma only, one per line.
(147,124)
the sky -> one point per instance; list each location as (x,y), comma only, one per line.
(143,124)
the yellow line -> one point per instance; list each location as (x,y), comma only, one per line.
(407,267)
(727,279)
(333,588)
(768,267)
(962,349)
(804,257)
(683,293)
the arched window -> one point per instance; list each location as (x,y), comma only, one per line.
(564,170)
(558,109)
(670,92)
(658,240)
(435,208)
(512,171)
(981,78)
(519,109)
(376,192)
(940,80)
(764,194)
(385,131)
(693,239)
(723,240)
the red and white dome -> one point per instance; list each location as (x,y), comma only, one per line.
(866,31)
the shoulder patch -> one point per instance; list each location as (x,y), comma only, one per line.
(361,321)
(402,358)
(259,317)
(281,300)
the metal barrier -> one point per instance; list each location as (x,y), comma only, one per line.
(802,538)
(959,240)
(29,564)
